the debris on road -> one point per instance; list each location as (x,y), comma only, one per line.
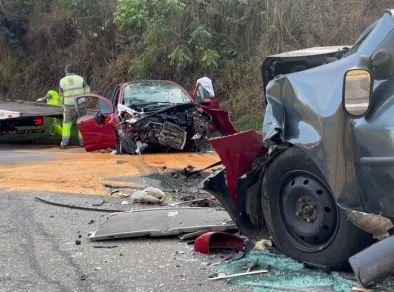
(91,222)
(299,289)
(195,172)
(216,239)
(238,256)
(249,266)
(113,192)
(83,277)
(157,222)
(77,207)
(313,266)
(263,244)
(199,202)
(239,275)
(124,203)
(192,235)
(118,186)
(286,274)
(105,246)
(98,268)
(123,195)
(367,290)
(78,242)
(188,198)
(149,195)
(188,169)
(102,202)
(172,213)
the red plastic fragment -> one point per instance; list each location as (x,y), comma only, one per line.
(216,239)
(237,153)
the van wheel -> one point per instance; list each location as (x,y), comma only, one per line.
(302,216)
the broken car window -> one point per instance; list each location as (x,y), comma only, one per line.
(154,92)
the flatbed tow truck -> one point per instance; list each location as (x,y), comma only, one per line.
(25,117)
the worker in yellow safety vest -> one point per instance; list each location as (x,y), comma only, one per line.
(70,87)
(52,98)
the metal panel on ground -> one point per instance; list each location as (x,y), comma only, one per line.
(162,222)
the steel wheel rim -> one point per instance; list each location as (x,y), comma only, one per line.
(307,211)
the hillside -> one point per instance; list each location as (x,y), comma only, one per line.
(113,41)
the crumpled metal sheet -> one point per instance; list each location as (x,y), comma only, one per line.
(376,225)
(274,123)
(162,222)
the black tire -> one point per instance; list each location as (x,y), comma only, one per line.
(294,181)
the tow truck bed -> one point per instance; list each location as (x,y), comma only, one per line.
(19,117)
(17,108)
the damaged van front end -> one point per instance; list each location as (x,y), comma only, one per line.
(322,172)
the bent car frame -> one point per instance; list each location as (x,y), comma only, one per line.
(321,177)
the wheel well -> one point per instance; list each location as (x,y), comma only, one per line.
(253,193)
(250,188)
(292,147)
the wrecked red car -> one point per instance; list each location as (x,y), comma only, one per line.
(152,115)
(321,175)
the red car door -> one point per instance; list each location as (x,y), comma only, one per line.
(220,121)
(220,118)
(97,127)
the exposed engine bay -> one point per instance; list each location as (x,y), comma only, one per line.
(180,127)
(300,60)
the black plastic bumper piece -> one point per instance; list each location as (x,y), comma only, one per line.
(375,263)
(216,185)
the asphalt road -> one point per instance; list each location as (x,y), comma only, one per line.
(38,250)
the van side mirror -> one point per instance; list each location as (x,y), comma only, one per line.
(357,92)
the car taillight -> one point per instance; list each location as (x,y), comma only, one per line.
(39,122)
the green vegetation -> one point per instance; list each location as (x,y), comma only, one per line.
(181,40)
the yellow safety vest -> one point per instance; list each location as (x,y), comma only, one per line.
(73,85)
(55,99)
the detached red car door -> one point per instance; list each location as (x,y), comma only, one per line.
(97,127)
(220,118)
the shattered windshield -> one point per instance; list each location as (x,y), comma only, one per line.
(154,92)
